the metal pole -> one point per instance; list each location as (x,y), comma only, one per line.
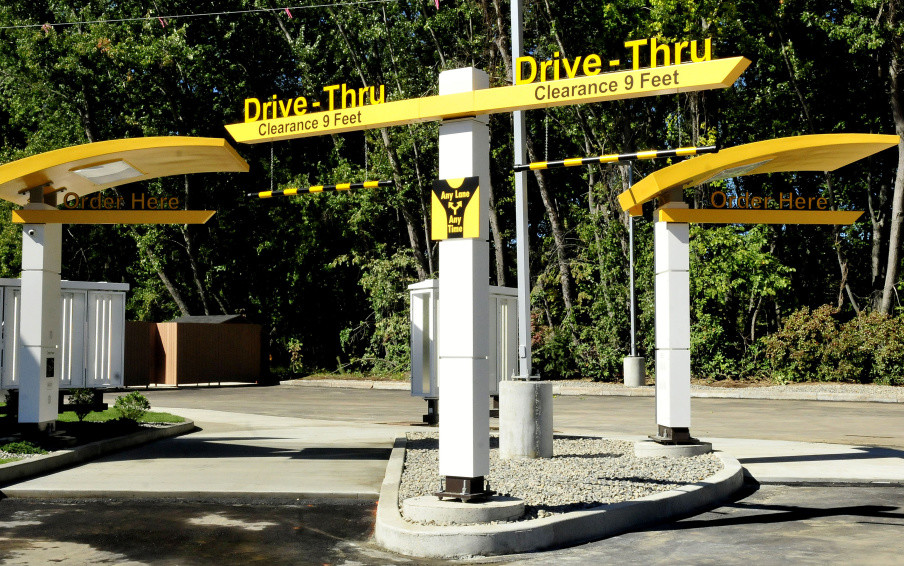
(521,232)
(631,267)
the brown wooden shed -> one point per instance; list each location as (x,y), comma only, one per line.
(193,349)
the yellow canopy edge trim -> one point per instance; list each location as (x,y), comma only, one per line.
(153,157)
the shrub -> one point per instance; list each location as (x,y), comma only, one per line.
(82,399)
(23,447)
(132,406)
(12,403)
(795,352)
(811,345)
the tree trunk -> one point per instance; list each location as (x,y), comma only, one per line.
(558,233)
(410,223)
(161,273)
(897,207)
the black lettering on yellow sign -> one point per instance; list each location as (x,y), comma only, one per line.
(455,210)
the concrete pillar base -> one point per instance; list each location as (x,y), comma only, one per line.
(653,449)
(429,509)
(525,419)
(635,371)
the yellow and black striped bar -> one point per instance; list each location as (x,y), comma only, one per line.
(615,157)
(323,189)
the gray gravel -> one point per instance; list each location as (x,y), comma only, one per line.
(583,473)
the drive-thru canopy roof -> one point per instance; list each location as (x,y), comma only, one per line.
(823,152)
(84,169)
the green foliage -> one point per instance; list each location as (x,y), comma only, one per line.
(22,447)
(385,333)
(114,414)
(796,352)
(736,281)
(132,406)
(813,345)
(82,399)
(326,274)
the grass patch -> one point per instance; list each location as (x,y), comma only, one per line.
(113,414)
(22,447)
(8,460)
(398,376)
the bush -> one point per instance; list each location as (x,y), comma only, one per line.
(23,447)
(795,352)
(812,345)
(132,406)
(12,403)
(82,399)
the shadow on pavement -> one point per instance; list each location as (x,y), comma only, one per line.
(866,453)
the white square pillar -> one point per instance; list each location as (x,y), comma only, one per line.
(39,331)
(673,332)
(463,370)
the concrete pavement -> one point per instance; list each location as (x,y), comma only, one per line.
(260,455)
(235,456)
(343,453)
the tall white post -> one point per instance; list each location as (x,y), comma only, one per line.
(673,328)
(522,246)
(463,335)
(40,325)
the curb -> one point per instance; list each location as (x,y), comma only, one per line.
(17,471)
(350,384)
(430,541)
(590,389)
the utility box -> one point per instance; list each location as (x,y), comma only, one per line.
(503,335)
(90,352)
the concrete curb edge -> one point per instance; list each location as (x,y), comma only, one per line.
(429,541)
(24,469)
(580,389)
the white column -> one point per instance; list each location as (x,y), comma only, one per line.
(463,371)
(39,329)
(673,331)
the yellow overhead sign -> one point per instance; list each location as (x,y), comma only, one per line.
(740,216)
(27,216)
(686,77)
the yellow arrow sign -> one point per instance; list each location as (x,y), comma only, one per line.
(687,77)
(112,216)
(734,216)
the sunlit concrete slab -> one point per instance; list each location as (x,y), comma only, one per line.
(236,455)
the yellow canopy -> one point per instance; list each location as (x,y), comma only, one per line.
(84,169)
(823,152)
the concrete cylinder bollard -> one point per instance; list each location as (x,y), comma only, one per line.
(635,371)
(525,419)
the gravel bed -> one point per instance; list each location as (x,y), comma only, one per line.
(583,473)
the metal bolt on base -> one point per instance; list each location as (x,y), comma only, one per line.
(465,489)
(676,435)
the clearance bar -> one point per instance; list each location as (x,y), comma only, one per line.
(616,157)
(686,77)
(734,216)
(112,216)
(323,188)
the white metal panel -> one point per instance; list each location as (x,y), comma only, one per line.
(73,334)
(502,329)
(106,326)
(423,297)
(9,378)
